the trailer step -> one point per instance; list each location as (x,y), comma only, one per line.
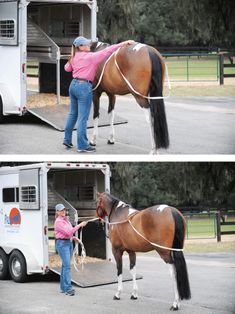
(56,116)
(96,274)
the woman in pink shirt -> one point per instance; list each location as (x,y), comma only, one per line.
(64,235)
(83,65)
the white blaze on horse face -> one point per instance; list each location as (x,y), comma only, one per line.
(162,207)
(138,46)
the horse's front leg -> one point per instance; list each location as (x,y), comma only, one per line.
(132,257)
(112,100)
(96,103)
(118,258)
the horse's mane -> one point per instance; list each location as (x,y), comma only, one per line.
(114,200)
(98,45)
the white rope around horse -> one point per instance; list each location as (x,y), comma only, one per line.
(126,80)
(132,88)
(154,244)
(102,73)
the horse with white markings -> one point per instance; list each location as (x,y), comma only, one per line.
(140,70)
(160,228)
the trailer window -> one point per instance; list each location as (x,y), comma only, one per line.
(64,29)
(7,29)
(28,194)
(80,192)
(85,193)
(10,195)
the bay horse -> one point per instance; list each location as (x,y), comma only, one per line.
(140,70)
(160,228)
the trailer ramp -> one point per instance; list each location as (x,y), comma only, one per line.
(56,116)
(96,274)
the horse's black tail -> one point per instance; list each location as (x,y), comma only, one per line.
(178,258)
(157,107)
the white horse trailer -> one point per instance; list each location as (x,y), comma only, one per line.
(28,195)
(40,31)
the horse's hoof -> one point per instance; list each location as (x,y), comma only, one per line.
(92,144)
(110,142)
(133,297)
(174,308)
(116,298)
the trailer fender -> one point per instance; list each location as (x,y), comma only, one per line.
(1,110)
(4,270)
(32,264)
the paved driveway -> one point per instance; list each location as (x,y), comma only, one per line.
(197,125)
(212,279)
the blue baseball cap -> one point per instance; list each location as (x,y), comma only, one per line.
(81,41)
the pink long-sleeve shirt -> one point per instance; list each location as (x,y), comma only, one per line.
(84,64)
(63,228)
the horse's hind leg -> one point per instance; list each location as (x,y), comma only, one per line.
(118,258)
(149,121)
(144,104)
(132,257)
(167,257)
(176,304)
(112,100)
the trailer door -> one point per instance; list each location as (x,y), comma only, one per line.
(32,218)
(13,56)
(29,189)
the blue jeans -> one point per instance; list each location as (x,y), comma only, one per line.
(65,251)
(80,93)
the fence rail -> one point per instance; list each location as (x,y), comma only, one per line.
(220,221)
(192,66)
(223,65)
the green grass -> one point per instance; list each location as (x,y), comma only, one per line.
(201,228)
(193,68)
(199,247)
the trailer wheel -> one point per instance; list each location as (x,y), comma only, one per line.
(3,265)
(1,111)
(17,267)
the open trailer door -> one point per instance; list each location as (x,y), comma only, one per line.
(12,57)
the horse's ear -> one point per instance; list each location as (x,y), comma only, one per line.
(98,194)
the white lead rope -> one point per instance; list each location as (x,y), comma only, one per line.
(83,250)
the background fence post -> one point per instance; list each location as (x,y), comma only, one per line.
(218,226)
(221,69)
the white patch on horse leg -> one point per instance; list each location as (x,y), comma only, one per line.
(94,137)
(148,117)
(120,287)
(111,134)
(135,287)
(176,304)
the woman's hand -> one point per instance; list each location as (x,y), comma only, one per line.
(75,239)
(129,42)
(83,224)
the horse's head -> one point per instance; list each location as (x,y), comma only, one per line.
(101,211)
(105,203)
